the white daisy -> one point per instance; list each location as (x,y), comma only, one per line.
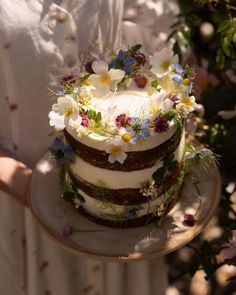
(104,79)
(186,105)
(65,113)
(163,62)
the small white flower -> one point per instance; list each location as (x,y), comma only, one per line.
(65,113)
(163,62)
(116,151)
(158,103)
(186,104)
(104,79)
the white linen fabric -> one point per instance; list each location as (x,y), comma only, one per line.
(37,36)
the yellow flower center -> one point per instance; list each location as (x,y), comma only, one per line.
(105,79)
(126,137)
(154,109)
(165,65)
(186,82)
(116,150)
(187,101)
(88,83)
(69,111)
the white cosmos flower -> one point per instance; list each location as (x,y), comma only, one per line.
(104,79)
(163,62)
(158,103)
(65,113)
(186,105)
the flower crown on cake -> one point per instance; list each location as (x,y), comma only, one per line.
(162,87)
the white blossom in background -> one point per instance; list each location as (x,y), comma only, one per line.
(227,115)
(163,62)
(65,113)
(104,80)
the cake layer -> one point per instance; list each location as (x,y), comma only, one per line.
(135,160)
(120,179)
(126,196)
(112,214)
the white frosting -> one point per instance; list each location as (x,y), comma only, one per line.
(120,179)
(101,143)
(132,103)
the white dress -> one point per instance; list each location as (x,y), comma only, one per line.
(37,36)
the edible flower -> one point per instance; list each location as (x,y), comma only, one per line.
(65,113)
(123,61)
(186,105)
(161,125)
(116,151)
(163,62)
(123,120)
(61,152)
(104,79)
(139,129)
(189,220)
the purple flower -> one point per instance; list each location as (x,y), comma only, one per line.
(140,80)
(178,78)
(140,58)
(123,61)
(88,66)
(85,120)
(67,230)
(139,130)
(131,212)
(62,153)
(161,125)
(189,220)
(123,120)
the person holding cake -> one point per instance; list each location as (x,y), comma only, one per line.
(37,39)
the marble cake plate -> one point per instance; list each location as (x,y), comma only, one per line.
(112,244)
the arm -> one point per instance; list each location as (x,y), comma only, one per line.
(14,177)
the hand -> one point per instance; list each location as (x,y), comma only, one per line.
(14,178)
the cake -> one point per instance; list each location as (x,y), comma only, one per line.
(122,116)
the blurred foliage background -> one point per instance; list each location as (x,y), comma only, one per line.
(204,36)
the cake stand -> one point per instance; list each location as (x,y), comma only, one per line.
(113,244)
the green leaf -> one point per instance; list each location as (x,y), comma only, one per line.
(228,48)
(154,84)
(68,196)
(159,174)
(220,58)
(98,117)
(135,48)
(168,160)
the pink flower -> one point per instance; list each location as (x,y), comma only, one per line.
(85,120)
(189,220)
(229,249)
(140,80)
(123,120)
(67,230)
